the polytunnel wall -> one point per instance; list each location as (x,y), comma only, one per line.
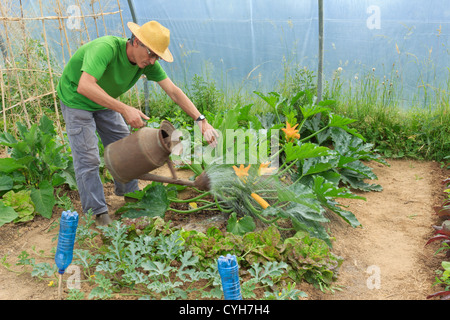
(248,44)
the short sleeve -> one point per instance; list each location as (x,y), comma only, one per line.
(97,59)
(155,72)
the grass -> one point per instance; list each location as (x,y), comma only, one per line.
(418,130)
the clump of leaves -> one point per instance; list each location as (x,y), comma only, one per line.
(306,258)
(442,234)
(444,280)
(443,210)
(21,203)
(38,154)
(37,163)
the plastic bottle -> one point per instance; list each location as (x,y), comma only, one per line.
(229,274)
(66,239)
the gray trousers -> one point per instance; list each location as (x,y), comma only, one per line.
(81,127)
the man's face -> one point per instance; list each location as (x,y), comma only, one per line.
(144,56)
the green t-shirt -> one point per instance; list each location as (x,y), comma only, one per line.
(105,59)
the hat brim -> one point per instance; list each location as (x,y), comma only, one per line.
(136,30)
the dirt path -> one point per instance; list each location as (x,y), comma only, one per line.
(384,260)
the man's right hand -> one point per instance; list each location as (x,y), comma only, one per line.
(134,117)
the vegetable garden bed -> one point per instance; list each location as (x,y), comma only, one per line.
(281,226)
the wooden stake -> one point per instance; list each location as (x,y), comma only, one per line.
(60,287)
(12,62)
(52,85)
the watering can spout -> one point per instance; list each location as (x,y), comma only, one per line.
(145,150)
(202,182)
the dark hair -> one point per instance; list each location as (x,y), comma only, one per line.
(131,39)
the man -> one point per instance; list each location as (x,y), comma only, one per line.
(98,73)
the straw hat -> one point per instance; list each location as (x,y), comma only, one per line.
(154,36)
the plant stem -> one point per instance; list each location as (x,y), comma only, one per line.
(189,200)
(315,133)
(193,210)
(220,208)
(287,168)
(258,213)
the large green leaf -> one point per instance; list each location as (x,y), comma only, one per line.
(6,183)
(272,98)
(342,122)
(8,165)
(319,164)
(310,110)
(21,203)
(352,151)
(327,191)
(300,194)
(154,203)
(46,126)
(348,216)
(240,226)
(304,220)
(304,151)
(7,214)
(43,199)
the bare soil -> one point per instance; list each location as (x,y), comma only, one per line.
(385,259)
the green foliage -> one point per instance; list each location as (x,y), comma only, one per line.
(153,201)
(163,262)
(415,129)
(36,166)
(442,235)
(21,203)
(38,154)
(305,258)
(204,94)
(314,172)
(240,226)
(328,154)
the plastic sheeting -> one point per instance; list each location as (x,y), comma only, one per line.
(249,42)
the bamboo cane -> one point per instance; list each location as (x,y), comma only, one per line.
(52,85)
(13,62)
(95,18)
(84,23)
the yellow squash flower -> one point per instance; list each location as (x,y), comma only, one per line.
(193,205)
(290,132)
(242,172)
(264,169)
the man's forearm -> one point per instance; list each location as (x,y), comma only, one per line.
(89,88)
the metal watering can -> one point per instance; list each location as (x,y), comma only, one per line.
(147,149)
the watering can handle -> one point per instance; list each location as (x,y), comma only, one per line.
(172,169)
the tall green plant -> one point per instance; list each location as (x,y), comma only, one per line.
(36,163)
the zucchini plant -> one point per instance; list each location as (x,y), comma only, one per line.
(320,159)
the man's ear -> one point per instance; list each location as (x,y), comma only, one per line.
(134,42)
